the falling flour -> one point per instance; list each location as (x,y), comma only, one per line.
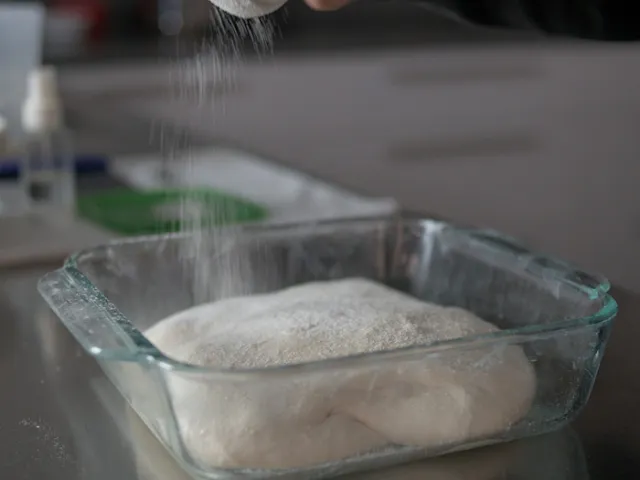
(203,83)
(299,418)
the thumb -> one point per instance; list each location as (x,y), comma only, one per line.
(327,5)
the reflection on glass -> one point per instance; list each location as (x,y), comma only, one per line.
(556,456)
(120,441)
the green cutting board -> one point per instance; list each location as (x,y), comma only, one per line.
(132,213)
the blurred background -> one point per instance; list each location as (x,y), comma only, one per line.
(380,107)
(98,30)
(535,137)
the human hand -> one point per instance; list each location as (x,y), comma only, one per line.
(327,5)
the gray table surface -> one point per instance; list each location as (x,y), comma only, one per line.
(61,419)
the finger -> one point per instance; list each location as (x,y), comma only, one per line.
(327,5)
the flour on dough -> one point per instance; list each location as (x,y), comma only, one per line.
(289,420)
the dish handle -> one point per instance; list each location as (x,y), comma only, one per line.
(92,319)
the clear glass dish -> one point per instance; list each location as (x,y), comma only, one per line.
(559,316)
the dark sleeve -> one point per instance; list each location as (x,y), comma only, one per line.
(609,20)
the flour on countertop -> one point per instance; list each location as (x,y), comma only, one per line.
(317,417)
(46,435)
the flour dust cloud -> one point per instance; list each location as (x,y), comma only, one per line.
(202,80)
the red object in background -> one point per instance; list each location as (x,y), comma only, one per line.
(93,11)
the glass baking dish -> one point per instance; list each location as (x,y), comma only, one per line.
(559,316)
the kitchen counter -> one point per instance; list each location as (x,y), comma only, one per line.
(60,418)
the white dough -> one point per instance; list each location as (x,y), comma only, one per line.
(285,420)
(249,8)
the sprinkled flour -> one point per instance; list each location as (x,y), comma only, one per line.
(311,322)
(312,417)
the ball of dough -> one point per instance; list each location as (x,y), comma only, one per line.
(272,424)
(301,418)
(447,400)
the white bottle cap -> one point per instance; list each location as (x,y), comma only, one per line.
(42,108)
